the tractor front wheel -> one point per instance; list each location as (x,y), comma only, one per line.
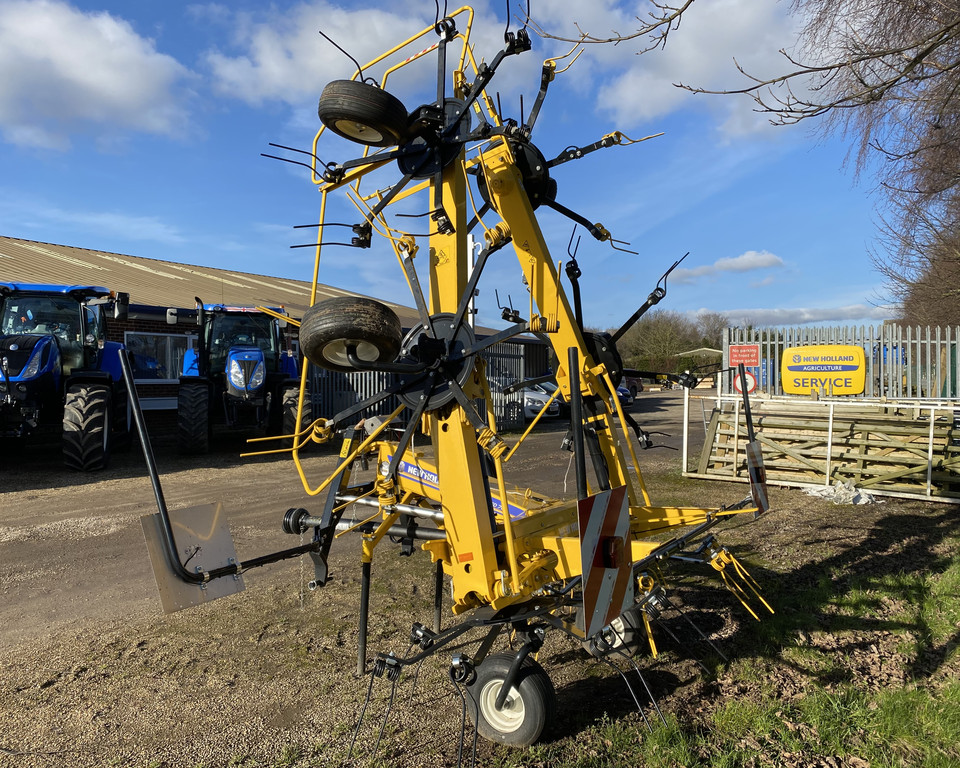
(86,427)
(291,396)
(529,706)
(193,418)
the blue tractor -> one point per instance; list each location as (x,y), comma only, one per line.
(240,375)
(58,373)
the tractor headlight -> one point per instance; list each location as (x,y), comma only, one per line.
(33,366)
(236,375)
(258,375)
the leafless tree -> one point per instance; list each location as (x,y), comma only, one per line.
(921,264)
(885,74)
(655,26)
(654,342)
(710,327)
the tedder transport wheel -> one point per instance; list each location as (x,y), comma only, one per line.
(86,427)
(529,706)
(193,418)
(328,328)
(363,113)
(289,404)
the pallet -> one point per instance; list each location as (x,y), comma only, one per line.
(910,449)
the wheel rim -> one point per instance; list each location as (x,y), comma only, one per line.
(336,352)
(511,716)
(365,134)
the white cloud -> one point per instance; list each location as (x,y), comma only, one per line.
(639,89)
(283,57)
(745,262)
(40,216)
(851,313)
(67,71)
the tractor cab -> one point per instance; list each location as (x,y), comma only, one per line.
(74,325)
(243,336)
(239,375)
(58,371)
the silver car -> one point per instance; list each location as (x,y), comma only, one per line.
(534,398)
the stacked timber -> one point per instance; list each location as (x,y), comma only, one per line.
(908,449)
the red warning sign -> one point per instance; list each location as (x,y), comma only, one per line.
(747,354)
(749,382)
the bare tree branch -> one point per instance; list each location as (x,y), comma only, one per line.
(660,22)
(886,75)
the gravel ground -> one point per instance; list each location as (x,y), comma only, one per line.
(92,673)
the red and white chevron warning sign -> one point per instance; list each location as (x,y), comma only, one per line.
(605,559)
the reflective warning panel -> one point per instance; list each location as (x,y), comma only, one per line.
(605,558)
(833,369)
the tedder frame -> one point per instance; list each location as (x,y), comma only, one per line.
(514,558)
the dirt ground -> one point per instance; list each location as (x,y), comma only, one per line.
(93,673)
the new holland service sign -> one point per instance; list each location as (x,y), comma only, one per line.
(833,369)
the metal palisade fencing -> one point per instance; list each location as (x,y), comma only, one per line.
(902,362)
(333,392)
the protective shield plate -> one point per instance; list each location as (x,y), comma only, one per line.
(203,543)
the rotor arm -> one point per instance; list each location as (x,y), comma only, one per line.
(652,300)
(575,153)
(597,230)
(514,44)
(546,77)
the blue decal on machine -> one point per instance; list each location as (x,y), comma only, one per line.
(430,479)
(418,474)
(515,512)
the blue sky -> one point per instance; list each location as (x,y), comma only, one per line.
(137,128)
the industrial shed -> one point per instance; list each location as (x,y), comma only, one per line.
(154,285)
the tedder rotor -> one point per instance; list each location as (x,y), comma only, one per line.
(515,560)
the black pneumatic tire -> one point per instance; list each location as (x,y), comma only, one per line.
(363,113)
(193,418)
(288,403)
(86,427)
(528,710)
(328,328)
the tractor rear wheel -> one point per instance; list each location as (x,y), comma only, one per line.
(289,405)
(86,427)
(330,327)
(193,418)
(363,113)
(529,706)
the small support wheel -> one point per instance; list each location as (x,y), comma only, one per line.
(330,327)
(529,707)
(293,521)
(363,113)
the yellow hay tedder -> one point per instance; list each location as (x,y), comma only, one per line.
(514,559)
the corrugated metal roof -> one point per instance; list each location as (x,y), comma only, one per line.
(160,283)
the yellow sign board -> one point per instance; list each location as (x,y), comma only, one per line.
(833,369)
